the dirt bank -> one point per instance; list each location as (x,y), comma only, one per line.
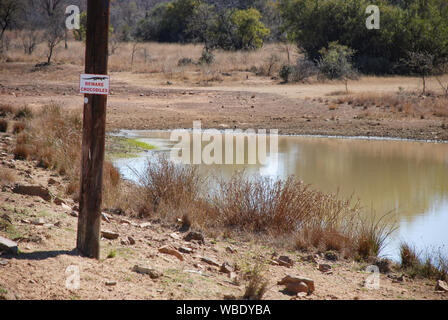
(146,102)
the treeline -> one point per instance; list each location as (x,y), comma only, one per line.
(412,33)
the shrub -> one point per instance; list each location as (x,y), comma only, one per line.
(207,57)
(303,69)
(257,285)
(285,72)
(23,113)
(18,127)
(184,62)
(335,63)
(405,26)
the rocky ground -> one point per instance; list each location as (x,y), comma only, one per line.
(154,260)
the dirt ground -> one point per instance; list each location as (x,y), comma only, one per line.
(46,236)
(147,101)
(46,232)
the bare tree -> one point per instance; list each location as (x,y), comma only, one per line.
(8,12)
(53,36)
(30,39)
(54,33)
(421,63)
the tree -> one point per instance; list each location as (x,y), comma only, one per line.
(249,30)
(80,34)
(54,24)
(421,63)
(8,14)
(335,63)
(416,25)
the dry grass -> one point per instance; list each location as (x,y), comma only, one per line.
(401,104)
(18,127)
(259,207)
(7,176)
(163,59)
(166,187)
(53,138)
(256,281)
(430,265)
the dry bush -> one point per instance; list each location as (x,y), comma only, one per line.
(53,138)
(167,186)
(433,264)
(18,127)
(6,109)
(3,125)
(257,284)
(372,236)
(400,104)
(23,113)
(260,206)
(7,176)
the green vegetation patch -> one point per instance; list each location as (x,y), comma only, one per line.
(120,147)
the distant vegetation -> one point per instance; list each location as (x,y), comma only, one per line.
(409,29)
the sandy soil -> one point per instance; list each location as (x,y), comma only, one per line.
(47,250)
(146,101)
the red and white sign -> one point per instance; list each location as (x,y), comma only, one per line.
(94,84)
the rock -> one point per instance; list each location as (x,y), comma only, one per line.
(109,234)
(324,267)
(311,258)
(291,279)
(226,268)
(66,207)
(131,240)
(51,182)
(185,250)
(229,249)
(38,222)
(331,255)
(8,246)
(385,265)
(210,261)
(274,263)
(153,274)
(170,250)
(74,214)
(441,286)
(175,236)
(296,287)
(58,201)
(111,283)
(35,191)
(125,221)
(3,262)
(194,235)
(105,217)
(145,225)
(285,261)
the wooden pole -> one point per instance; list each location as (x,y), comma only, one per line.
(94,129)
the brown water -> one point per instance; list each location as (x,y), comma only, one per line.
(407,178)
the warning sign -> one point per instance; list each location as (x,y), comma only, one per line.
(94,84)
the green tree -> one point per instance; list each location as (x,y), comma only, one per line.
(80,34)
(335,63)
(249,30)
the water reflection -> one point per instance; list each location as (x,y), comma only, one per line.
(409,179)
